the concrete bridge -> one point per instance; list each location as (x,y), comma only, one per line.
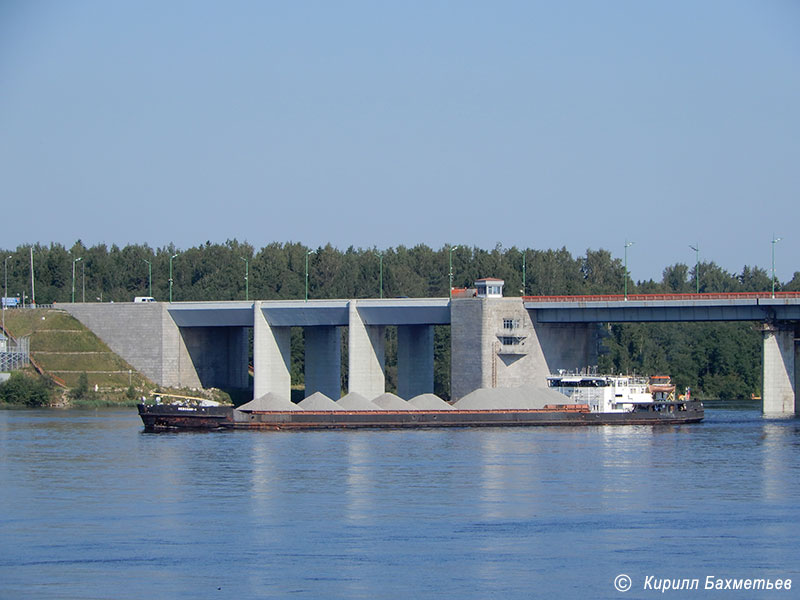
(779,314)
(495,342)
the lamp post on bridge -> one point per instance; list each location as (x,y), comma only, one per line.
(73,277)
(149,276)
(246,278)
(380,258)
(627,245)
(307,255)
(524,286)
(452,249)
(696,249)
(774,241)
(171,258)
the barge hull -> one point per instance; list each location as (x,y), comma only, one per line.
(165,417)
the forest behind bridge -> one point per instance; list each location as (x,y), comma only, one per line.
(715,359)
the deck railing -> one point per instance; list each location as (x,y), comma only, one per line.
(662,297)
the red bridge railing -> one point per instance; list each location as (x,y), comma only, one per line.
(645,297)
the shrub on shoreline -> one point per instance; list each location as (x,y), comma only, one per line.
(24,390)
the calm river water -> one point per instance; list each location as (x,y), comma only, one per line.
(93,507)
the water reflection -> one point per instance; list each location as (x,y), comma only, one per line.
(779,456)
(624,452)
(359,479)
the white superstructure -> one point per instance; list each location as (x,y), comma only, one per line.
(603,393)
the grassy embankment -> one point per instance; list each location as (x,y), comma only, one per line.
(67,350)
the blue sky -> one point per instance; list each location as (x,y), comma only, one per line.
(535,124)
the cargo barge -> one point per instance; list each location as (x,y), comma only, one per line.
(582,400)
(170,417)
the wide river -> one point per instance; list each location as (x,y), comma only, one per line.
(93,507)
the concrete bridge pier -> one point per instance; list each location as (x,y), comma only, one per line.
(323,351)
(414,360)
(781,362)
(366,355)
(271,357)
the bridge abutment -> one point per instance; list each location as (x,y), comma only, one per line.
(780,363)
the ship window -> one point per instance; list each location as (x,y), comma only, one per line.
(509,341)
(510,323)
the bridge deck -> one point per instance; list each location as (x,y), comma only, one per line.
(607,308)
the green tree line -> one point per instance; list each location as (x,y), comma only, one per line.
(717,359)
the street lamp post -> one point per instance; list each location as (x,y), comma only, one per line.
(246,277)
(307,255)
(5,292)
(73,277)
(380,258)
(627,245)
(149,276)
(33,286)
(696,249)
(452,249)
(524,287)
(171,258)
(774,241)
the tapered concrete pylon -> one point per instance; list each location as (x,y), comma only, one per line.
(366,355)
(271,357)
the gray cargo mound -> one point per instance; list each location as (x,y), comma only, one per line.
(429,402)
(518,398)
(390,401)
(355,401)
(318,401)
(270,401)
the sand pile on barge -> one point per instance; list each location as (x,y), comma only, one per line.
(355,401)
(269,401)
(519,398)
(389,401)
(429,402)
(318,401)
